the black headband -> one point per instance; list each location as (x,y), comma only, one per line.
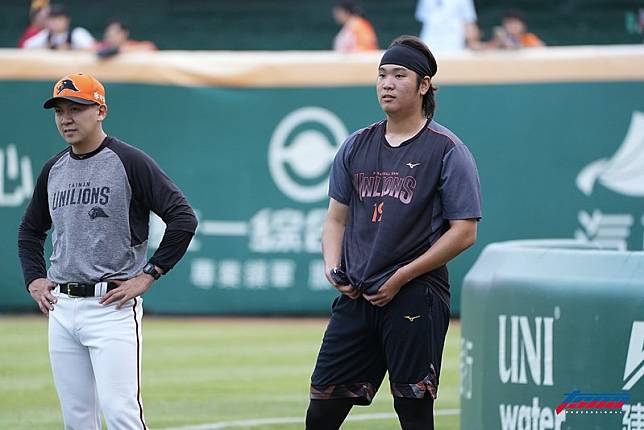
(411,58)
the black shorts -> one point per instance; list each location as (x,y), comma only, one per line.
(362,342)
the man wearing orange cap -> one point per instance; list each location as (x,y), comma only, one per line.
(97,195)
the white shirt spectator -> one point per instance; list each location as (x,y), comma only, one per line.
(80,39)
(444,23)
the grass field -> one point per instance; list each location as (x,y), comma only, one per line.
(207,373)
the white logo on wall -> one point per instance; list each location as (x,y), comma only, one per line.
(529,349)
(623,173)
(634,368)
(16,179)
(301,150)
(606,230)
(299,157)
(275,233)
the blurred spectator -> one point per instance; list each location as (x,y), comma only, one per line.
(448,25)
(357,33)
(635,21)
(38,14)
(59,34)
(513,33)
(117,39)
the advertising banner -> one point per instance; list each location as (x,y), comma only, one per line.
(250,139)
(553,339)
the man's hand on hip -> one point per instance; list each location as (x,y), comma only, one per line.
(40,290)
(127,290)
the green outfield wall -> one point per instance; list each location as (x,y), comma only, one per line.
(558,157)
(544,319)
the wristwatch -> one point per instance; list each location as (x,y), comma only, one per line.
(151,270)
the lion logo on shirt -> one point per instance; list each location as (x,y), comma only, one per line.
(97,212)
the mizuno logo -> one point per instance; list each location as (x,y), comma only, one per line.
(412,165)
(412,319)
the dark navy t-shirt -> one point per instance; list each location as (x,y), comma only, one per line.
(401,200)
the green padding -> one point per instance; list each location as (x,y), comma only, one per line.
(542,319)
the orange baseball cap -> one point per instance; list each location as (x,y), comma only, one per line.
(79,88)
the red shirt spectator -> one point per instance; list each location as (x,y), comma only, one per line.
(37,21)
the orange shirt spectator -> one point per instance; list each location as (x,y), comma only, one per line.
(530,40)
(513,34)
(117,39)
(357,33)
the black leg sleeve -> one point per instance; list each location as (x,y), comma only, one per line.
(327,414)
(415,414)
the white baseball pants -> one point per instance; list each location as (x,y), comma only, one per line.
(95,354)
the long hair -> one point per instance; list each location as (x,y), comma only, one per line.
(429,101)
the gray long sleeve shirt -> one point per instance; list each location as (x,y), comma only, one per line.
(99,206)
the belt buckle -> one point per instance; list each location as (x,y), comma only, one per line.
(70,285)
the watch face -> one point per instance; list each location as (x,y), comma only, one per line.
(339,276)
(150,270)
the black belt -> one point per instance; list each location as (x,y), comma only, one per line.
(75,289)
